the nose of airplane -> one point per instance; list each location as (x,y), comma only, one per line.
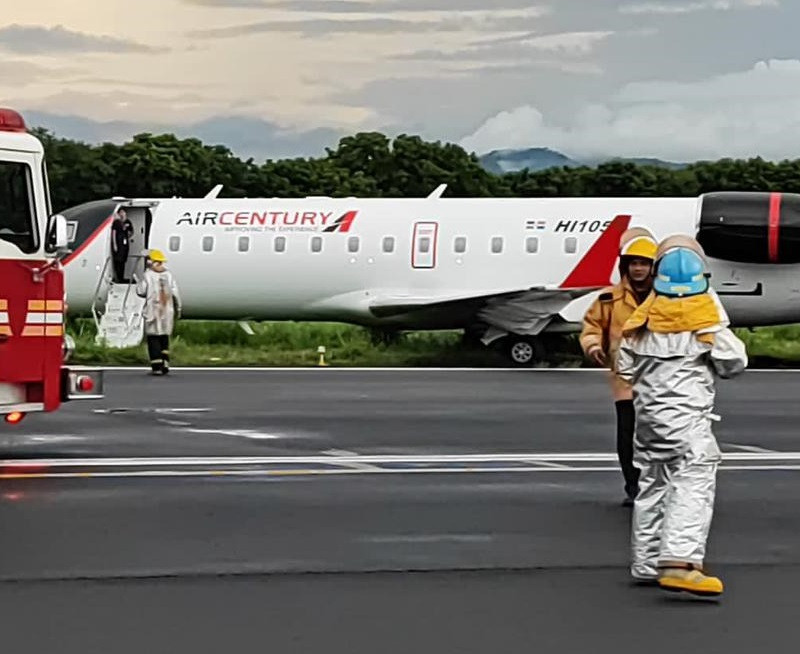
(86,222)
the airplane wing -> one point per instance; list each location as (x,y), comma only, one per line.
(507,306)
(392,305)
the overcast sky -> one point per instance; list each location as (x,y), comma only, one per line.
(676,79)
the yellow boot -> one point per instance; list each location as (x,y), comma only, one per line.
(689,578)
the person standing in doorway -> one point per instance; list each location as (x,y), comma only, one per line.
(162,306)
(602,333)
(121,233)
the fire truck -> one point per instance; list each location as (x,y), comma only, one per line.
(34,346)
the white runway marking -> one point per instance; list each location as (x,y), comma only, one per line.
(339,454)
(329,369)
(345,471)
(525,457)
(44,438)
(244,433)
(550,464)
(431,538)
(174,423)
(283,466)
(750,448)
(160,410)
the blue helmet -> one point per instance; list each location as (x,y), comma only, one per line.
(680,272)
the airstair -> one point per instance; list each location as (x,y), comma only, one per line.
(117,310)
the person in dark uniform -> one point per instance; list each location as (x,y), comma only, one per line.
(121,232)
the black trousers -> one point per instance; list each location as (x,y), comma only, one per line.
(120,259)
(626,425)
(158,350)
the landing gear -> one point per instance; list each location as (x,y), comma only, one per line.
(524,350)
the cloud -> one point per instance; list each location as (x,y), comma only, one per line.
(516,53)
(692,7)
(109,82)
(246,137)
(416,21)
(232,4)
(358,6)
(750,113)
(566,43)
(35,39)
(518,67)
(16,73)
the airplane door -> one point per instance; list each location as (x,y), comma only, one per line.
(425,242)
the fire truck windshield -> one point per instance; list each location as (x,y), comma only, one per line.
(17,224)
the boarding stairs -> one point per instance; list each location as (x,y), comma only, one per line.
(117,310)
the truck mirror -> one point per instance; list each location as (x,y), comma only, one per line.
(57,237)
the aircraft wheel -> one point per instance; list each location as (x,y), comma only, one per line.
(524,351)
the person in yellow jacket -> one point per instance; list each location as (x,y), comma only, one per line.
(602,333)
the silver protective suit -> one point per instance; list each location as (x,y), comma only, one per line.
(674,447)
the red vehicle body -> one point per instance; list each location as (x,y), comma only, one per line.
(33,342)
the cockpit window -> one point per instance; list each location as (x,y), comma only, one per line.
(16,206)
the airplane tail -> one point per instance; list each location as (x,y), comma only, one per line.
(595,268)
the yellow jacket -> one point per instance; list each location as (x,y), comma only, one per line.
(602,326)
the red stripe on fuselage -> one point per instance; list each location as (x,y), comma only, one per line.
(89,240)
(774,225)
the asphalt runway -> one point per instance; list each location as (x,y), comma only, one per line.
(384,511)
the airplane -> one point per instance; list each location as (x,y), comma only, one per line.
(514,271)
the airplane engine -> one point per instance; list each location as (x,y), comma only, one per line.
(748,227)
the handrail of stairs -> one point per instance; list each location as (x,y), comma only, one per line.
(100,280)
(138,259)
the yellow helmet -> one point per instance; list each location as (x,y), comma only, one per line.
(157,255)
(638,242)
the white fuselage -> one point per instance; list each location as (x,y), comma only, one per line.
(270,259)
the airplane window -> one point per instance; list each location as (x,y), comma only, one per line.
(208,243)
(388,243)
(352,244)
(280,244)
(424,244)
(497,244)
(532,244)
(316,244)
(174,243)
(460,244)
(244,243)
(570,245)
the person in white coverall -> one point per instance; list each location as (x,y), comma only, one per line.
(672,348)
(162,304)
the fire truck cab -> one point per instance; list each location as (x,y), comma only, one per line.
(33,343)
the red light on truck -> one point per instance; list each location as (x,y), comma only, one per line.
(11,121)
(85,384)
(14,417)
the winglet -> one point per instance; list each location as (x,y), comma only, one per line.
(596,266)
(437,192)
(213,193)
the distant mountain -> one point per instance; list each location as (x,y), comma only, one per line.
(535,159)
(509,161)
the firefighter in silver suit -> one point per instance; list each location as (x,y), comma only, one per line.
(673,347)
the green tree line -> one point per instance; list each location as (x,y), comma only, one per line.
(369,164)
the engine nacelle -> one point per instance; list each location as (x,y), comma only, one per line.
(750,227)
